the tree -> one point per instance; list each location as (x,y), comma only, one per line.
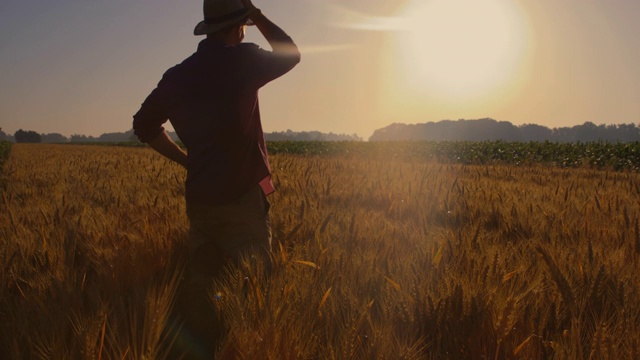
(5,137)
(534,132)
(134,138)
(22,136)
(54,138)
(75,138)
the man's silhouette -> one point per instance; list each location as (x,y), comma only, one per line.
(211,99)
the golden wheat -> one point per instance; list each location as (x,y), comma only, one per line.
(377,258)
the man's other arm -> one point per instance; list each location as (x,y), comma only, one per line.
(147,124)
(168,148)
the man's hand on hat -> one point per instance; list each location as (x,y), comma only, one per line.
(248,5)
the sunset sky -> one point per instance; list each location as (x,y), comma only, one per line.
(84,67)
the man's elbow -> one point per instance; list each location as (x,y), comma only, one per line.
(293,56)
(138,132)
(297,56)
(288,50)
(145,134)
(295,53)
(141,138)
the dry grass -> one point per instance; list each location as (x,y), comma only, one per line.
(376,259)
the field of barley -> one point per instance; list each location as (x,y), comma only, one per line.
(377,257)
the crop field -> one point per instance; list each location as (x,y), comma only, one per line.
(5,149)
(378,256)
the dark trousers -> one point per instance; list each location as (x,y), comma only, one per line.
(219,236)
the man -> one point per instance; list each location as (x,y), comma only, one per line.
(211,99)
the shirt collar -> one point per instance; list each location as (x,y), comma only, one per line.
(211,44)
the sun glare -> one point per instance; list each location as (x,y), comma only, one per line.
(460,47)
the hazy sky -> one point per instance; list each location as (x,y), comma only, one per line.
(85,67)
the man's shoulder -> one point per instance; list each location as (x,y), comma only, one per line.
(194,62)
(178,70)
(250,48)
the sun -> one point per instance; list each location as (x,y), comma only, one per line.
(460,48)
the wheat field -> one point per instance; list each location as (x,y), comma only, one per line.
(376,258)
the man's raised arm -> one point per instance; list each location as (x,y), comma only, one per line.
(280,42)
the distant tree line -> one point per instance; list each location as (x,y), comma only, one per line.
(309,136)
(22,136)
(445,130)
(490,129)
(129,136)
(5,137)
(32,136)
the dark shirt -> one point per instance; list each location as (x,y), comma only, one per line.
(211,99)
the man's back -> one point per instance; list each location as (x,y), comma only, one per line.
(212,101)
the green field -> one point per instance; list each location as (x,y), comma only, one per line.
(5,149)
(601,155)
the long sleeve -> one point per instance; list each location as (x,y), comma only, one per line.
(147,122)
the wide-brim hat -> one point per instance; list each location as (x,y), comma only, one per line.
(219,14)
